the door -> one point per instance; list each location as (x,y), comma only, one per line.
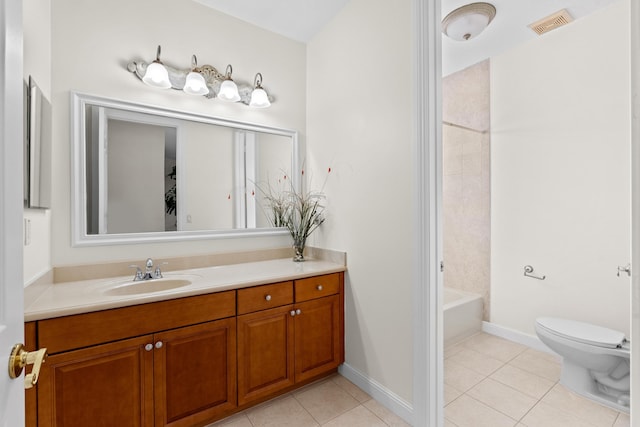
(318,341)
(265,353)
(194,371)
(103,385)
(11,290)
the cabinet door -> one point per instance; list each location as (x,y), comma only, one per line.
(318,342)
(106,385)
(195,373)
(265,353)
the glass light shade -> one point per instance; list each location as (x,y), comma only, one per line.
(157,76)
(195,84)
(466,22)
(229,91)
(467,27)
(259,99)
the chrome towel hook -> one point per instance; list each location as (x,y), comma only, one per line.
(528,271)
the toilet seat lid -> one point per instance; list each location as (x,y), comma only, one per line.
(582,332)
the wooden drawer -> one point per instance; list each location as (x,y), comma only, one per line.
(264,297)
(84,330)
(317,287)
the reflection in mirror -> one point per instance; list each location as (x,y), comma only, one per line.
(146,174)
(37,155)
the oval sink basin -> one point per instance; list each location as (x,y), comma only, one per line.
(147,286)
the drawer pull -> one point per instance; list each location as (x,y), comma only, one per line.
(267,298)
(319,287)
(298,312)
(293,313)
(159,344)
(148,347)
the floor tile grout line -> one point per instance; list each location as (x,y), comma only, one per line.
(491,407)
(306,410)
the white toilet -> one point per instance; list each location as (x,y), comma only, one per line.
(595,360)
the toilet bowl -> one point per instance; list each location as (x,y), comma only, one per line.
(595,360)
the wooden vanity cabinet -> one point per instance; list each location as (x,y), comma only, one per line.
(265,341)
(107,385)
(189,361)
(195,373)
(299,340)
(319,325)
(181,372)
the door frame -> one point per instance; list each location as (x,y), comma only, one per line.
(428,409)
(634,17)
(428,392)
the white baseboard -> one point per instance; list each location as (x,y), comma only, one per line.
(515,336)
(381,394)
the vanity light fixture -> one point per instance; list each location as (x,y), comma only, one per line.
(195,83)
(157,75)
(259,97)
(466,22)
(203,80)
(228,89)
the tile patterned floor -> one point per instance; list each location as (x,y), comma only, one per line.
(489,381)
(332,402)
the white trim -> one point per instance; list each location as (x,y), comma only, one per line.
(239,187)
(516,336)
(380,393)
(428,394)
(78,172)
(635,210)
(249,178)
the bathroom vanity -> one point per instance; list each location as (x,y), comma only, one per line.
(191,355)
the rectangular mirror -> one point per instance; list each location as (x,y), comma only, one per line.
(37,155)
(143,173)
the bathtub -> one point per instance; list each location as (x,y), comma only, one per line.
(462,313)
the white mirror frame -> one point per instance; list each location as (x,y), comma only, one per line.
(79,236)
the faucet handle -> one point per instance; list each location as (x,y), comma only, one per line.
(149,263)
(139,274)
(158,273)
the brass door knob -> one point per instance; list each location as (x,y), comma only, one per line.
(20,358)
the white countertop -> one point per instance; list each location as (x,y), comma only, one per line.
(63,299)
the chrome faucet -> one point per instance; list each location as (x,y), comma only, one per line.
(149,272)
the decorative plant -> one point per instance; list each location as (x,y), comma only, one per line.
(299,211)
(170,199)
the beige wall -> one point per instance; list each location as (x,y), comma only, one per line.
(359,124)
(466,198)
(37,63)
(92,42)
(560,121)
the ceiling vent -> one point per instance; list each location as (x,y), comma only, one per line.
(551,22)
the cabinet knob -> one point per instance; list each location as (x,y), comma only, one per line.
(159,344)
(267,298)
(319,287)
(292,312)
(148,347)
(298,312)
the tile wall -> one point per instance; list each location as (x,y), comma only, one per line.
(466,182)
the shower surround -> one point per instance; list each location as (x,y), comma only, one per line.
(466,181)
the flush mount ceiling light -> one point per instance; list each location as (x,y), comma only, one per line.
(466,22)
(203,80)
